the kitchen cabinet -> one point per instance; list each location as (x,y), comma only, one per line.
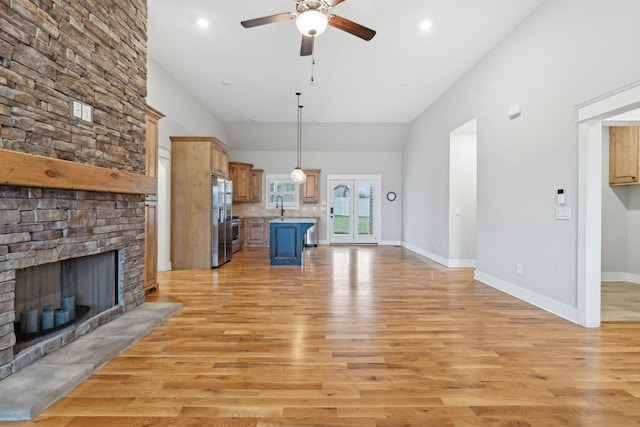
(239,173)
(220,160)
(311,188)
(192,164)
(286,240)
(255,185)
(624,164)
(257,231)
(153,117)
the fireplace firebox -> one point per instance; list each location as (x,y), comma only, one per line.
(51,298)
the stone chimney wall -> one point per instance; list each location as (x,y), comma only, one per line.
(54,52)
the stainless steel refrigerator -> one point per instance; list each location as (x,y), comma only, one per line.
(221,214)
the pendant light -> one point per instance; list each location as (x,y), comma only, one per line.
(297,175)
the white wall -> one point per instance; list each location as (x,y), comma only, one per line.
(567,52)
(388,164)
(184,116)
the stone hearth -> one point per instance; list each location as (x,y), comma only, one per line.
(29,392)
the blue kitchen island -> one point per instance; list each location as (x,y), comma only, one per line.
(286,240)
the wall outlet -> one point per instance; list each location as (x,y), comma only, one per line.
(519,269)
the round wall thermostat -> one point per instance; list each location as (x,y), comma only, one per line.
(391,196)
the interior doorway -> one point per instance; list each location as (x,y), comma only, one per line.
(463,166)
(354,209)
(590,131)
(620,227)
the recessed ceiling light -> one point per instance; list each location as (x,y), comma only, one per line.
(202,23)
(425,25)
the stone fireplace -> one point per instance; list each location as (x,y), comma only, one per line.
(55,230)
(70,187)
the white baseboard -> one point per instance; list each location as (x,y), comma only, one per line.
(391,243)
(451,263)
(431,256)
(467,263)
(610,276)
(547,304)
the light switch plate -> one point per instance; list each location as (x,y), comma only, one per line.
(563,213)
(76,109)
(87,113)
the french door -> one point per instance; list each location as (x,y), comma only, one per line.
(354,211)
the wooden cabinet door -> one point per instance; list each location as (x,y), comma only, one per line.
(243,182)
(255,185)
(255,232)
(311,188)
(219,160)
(240,175)
(623,154)
(151,145)
(151,245)
(152,119)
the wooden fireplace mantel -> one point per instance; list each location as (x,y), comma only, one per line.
(29,170)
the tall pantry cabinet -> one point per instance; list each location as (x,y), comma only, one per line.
(193,160)
(153,116)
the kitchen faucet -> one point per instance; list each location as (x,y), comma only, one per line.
(281,205)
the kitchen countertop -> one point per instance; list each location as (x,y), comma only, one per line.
(294,219)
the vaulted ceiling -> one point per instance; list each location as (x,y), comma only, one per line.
(251,75)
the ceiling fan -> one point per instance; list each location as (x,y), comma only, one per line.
(312,18)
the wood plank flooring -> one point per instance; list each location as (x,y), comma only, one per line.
(620,301)
(360,337)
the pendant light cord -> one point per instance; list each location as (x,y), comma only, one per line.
(299,131)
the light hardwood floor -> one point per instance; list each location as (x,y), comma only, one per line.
(366,336)
(620,301)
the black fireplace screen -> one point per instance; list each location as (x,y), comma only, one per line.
(51,297)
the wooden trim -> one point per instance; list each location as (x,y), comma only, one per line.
(154,113)
(200,138)
(29,170)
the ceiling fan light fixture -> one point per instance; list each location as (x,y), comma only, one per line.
(312,23)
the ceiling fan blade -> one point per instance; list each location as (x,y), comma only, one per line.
(351,27)
(306,48)
(268,20)
(334,3)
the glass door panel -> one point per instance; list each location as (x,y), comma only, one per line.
(366,212)
(341,221)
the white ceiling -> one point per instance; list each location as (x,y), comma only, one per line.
(244,75)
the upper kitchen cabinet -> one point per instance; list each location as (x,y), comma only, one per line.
(255,185)
(311,188)
(152,119)
(239,175)
(220,158)
(624,164)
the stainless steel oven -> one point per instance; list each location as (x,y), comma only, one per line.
(235,234)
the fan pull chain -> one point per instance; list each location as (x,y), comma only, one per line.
(313,63)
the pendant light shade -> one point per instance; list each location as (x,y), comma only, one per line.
(297,175)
